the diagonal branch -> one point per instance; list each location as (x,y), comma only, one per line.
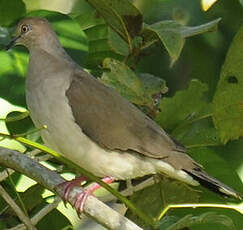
(16,209)
(42,213)
(49,179)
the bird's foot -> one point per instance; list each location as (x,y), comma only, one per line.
(81,197)
(69,185)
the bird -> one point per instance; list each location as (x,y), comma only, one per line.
(92,125)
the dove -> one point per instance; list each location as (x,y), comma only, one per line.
(92,125)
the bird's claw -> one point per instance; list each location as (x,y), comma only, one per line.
(82,196)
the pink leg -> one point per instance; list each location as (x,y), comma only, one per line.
(69,185)
(82,197)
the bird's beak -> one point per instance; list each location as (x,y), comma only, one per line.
(12,43)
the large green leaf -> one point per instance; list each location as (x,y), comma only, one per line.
(217,167)
(153,199)
(228,99)
(102,42)
(4,38)
(117,44)
(197,132)
(11,11)
(172,35)
(18,122)
(121,15)
(191,220)
(6,108)
(13,69)
(184,105)
(138,90)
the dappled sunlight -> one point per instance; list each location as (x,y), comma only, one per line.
(64,6)
(206,4)
(5,108)
(240,172)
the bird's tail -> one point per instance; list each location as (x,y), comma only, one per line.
(213,184)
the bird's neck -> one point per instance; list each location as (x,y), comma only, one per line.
(47,53)
(45,64)
(50,44)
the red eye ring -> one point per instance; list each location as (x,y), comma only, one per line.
(24,28)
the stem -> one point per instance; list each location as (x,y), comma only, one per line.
(17,194)
(172,206)
(187,122)
(201,145)
(30,132)
(27,222)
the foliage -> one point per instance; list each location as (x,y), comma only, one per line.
(227,103)
(141,49)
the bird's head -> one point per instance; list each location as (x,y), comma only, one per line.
(33,32)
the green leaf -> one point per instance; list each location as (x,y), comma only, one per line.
(153,199)
(137,90)
(3,225)
(88,20)
(4,38)
(172,35)
(117,44)
(99,45)
(11,11)
(167,221)
(153,85)
(12,70)
(208,217)
(210,158)
(123,79)
(55,219)
(227,102)
(121,15)
(197,132)
(31,198)
(184,105)
(18,122)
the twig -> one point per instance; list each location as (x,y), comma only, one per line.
(42,213)
(16,209)
(5,173)
(48,208)
(127,192)
(49,179)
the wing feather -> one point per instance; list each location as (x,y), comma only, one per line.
(113,122)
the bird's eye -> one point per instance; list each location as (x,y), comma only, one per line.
(24,29)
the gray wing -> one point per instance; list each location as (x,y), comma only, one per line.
(110,120)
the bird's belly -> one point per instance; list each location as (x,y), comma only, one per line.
(65,136)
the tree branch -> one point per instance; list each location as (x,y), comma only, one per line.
(50,179)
